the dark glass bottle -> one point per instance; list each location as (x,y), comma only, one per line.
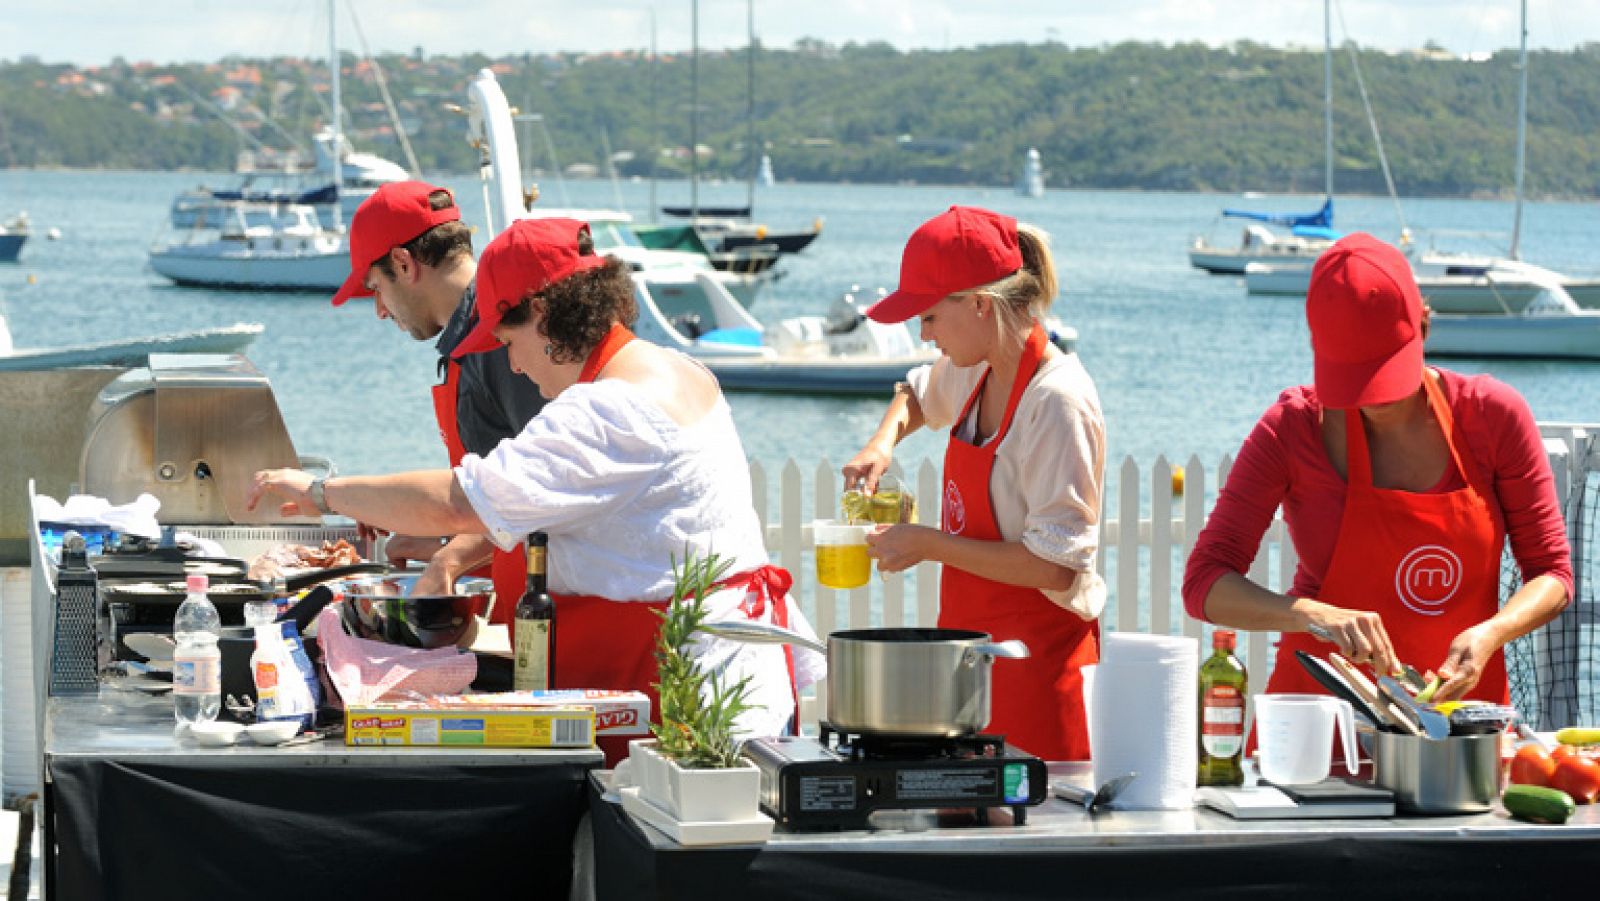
(1223,685)
(535,637)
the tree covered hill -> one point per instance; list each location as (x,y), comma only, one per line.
(1190,117)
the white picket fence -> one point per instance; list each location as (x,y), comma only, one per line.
(1142,563)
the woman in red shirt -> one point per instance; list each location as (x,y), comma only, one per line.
(1400,484)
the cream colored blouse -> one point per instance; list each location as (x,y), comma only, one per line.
(1049,469)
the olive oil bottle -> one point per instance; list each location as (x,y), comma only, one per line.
(534,664)
(1223,685)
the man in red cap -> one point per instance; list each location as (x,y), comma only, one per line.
(411,253)
(1400,484)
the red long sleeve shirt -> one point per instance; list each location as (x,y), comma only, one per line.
(1283,462)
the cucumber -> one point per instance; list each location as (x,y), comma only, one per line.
(1538,804)
(1575,736)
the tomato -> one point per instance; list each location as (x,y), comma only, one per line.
(1578,777)
(1532,766)
(1565,751)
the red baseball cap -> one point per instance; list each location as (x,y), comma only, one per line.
(960,249)
(1365,314)
(524,259)
(395,213)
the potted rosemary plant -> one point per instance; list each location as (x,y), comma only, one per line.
(693,769)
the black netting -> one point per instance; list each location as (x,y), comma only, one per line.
(1555,671)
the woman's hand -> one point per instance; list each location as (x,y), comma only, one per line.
(897,548)
(291,487)
(1359,634)
(866,468)
(1464,663)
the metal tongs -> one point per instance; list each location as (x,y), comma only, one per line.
(1406,675)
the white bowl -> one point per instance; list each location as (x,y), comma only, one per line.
(274,732)
(215,734)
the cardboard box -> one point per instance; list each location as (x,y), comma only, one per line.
(428,725)
(623,713)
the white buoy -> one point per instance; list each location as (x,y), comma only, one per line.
(53,234)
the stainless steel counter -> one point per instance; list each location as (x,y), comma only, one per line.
(89,727)
(1057,824)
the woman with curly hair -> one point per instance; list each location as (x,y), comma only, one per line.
(634,463)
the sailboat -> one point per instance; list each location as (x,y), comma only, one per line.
(727,229)
(266,245)
(1309,234)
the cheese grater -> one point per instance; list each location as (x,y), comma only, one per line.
(72,660)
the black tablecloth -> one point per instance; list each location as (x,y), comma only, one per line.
(176,830)
(629,865)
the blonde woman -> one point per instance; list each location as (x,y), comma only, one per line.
(1023,469)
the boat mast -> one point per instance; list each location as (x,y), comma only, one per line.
(750,102)
(694,111)
(1522,135)
(1327,95)
(655,124)
(338,133)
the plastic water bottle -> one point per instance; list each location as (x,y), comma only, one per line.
(196,659)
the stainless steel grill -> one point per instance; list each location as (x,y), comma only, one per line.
(192,430)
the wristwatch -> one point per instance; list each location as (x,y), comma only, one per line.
(318,497)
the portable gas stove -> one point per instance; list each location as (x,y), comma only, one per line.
(837,781)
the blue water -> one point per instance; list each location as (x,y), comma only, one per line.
(1184,362)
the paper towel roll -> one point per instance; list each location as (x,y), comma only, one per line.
(1143,719)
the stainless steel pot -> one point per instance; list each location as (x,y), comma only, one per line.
(1459,774)
(909,682)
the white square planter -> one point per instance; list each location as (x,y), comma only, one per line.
(695,796)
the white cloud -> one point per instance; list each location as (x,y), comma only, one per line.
(94,31)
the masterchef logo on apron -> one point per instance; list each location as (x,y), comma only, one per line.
(955,510)
(1427,578)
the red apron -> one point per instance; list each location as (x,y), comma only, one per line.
(602,643)
(1429,564)
(508,569)
(1037,702)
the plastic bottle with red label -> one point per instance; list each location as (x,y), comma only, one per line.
(1223,689)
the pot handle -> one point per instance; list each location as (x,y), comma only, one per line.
(1012,649)
(759,633)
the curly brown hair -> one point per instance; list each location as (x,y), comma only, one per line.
(580,309)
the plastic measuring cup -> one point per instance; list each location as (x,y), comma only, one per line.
(1295,737)
(841,551)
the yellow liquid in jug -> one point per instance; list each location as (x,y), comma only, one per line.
(843,565)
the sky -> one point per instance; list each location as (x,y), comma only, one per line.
(92,32)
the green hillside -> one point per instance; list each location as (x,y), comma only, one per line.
(1190,117)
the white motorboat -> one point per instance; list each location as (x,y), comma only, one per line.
(127,351)
(1552,326)
(1450,283)
(841,353)
(258,246)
